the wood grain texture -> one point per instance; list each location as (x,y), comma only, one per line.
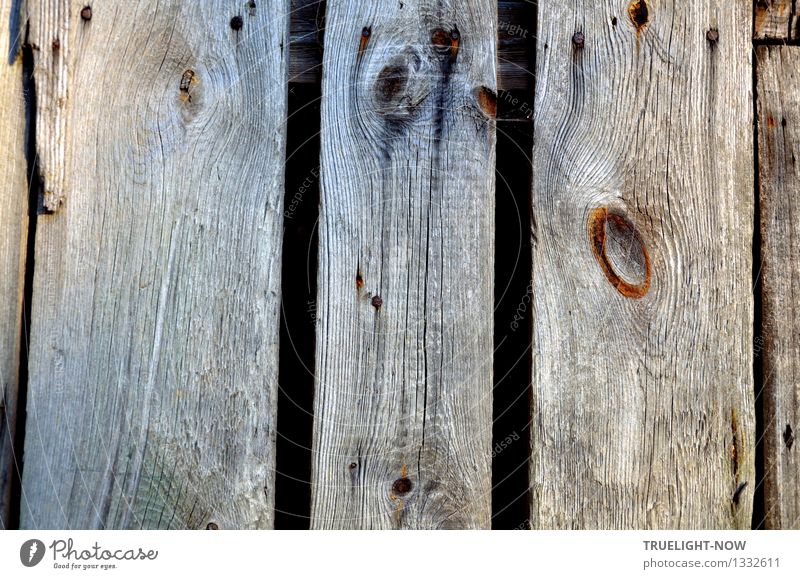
(514,36)
(778,90)
(775,20)
(153,370)
(643,216)
(402,434)
(13,233)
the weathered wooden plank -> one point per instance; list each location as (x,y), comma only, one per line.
(642,306)
(775,20)
(778,71)
(514,35)
(402,435)
(156,297)
(13,233)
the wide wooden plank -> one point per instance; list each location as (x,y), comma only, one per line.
(13,233)
(778,70)
(515,32)
(156,297)
(642,265)
(402,434)
(775,19)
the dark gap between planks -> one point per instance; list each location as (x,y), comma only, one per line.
(35,206)
(298,312)
(511,409)
(759,497)
(511,405)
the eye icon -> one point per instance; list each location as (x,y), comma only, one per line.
(31,553)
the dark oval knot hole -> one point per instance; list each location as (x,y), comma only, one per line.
(620,252)
(639,14)
(402,486)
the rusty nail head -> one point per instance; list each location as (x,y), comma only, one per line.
(578,39)
(86,13)
(377,301)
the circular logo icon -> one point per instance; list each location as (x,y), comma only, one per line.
(31,553)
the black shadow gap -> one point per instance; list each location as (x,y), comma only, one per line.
(759,497)
(299,294)
(511,405)
(35,208)
(511,410)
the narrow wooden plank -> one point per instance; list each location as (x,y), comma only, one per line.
(642,265)
(156,296)
(778,71)
(402,435)
(13,233)
(774,19)
(515,34)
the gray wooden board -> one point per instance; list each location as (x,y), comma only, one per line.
(402,432)
(778,70)
(642,266)
(153,374)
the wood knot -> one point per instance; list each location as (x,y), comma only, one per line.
(788,437)
(398,89)
(487,101)
(441,39)
(390,83)
(402,486)
(446,43)
(620,252)
(188,80)
(639,14)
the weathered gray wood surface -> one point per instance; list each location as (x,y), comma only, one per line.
(156,297)
(775,20)
(402,434)
(13,232)
(643,216)
(779,147)
(514,35)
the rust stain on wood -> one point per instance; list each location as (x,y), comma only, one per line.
(487,100)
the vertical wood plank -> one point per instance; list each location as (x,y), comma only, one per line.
(778,70)
(643,216)
(13,233)
(774,19)
(156,296)
(402,434)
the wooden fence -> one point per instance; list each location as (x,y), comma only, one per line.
(189,340)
